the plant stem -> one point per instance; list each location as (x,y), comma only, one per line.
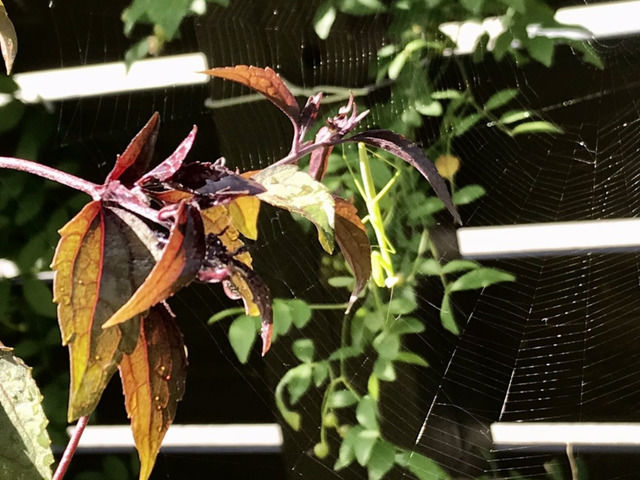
(49,173)
(71,448)
(328,306)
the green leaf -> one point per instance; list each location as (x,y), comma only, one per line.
(463,125)
(341,399)
(387,345)
(459,266)
(430,266)
(373,387)
(242,335)
(384,370)
(446,94)
(430,109)
(536,127)
(299,381)
(320,373)
(296,191)
(468,194)
(289,416)
(502,45)
(446,315)
(404,325)
(403,302)
(345,352)
(26,450)
(541,49)
(501,98)
(346,455)
(300,312)
(513,116)
(303,349)
(480,278)
(363,444)
(366,413)
(10,115)
(361,7)
(38,296)
(385,51)
(411,358)
(472,6)
(382,459)
(324,18)
(397,64)
(341,282)
(282,318)
(422,467)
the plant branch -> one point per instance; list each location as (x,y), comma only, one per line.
(71,448)
(49,173)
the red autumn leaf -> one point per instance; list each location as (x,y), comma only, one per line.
(137,156)
(104,255)
(153,381)
(177,266)
(352,239)
(264,81)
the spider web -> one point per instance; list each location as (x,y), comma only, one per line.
(558,344)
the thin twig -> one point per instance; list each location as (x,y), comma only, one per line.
(71,448)
(49,173)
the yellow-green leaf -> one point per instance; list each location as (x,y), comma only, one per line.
(153,380)
(244,215)
(296,191)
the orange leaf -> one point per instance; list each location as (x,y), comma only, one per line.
(352,239)
(153,380)
(264,81)
(178,266)
(136,157)
(102,257)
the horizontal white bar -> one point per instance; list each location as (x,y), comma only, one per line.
(560,434)
(549,238)
(108,78)
(603,20)
(232,437)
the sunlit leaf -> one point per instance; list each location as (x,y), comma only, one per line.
(342,399)
(480,278)
(264,81)
(299,381)
(136,158)
(463,125)
(397,64)
(414,156)
(8,39)
(536,127)
(153,380)
(26,447)
(459,266)
(363,444)
(244,215)
(103,256)
(352,239)
(242,336)
(323,19)
(296,191)
(447,166)
(178,265)
(513,116)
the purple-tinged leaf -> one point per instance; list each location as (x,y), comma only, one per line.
(319,162)
(309,114)
(137,156)
(414,156)
(173,163)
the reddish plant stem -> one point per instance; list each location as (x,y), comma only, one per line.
(49,173)
(71,448)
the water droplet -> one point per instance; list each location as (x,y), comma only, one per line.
(97,358)
(156,398)
(158,407)
(167,378)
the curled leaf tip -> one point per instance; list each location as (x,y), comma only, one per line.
(266,333)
